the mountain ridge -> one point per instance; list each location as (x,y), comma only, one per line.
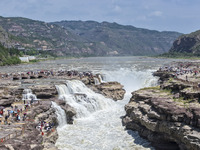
(130,38)
(85,38)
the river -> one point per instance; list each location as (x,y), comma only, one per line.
(98,125)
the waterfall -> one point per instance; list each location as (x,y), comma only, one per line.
(28,95)
(97,130)
(132,79)
(61,115)
(100,78)
(81,98)
(98,120)
(96,81)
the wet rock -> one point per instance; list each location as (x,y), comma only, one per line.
(113,90)
(70,111)
(44,91)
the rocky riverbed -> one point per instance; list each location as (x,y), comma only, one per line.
(168,115)
(11,92)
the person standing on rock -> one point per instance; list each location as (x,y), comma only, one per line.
(1,112)
(19,118)
(16,117)
(199,85)
(31,100)
(24,117)
(6,119)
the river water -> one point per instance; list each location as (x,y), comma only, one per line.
(98,125)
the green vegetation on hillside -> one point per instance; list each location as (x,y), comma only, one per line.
(187,45)
(180,54)
(120,39)
(9,56)
(89,38)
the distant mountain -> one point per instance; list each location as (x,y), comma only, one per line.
(120,39)
(32,34)
(5,38)
(80,38)
(187,43)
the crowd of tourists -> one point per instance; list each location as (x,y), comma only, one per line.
(12,114)
(44,126)
(18,113)
(181,70)
(187,71)
(47,73)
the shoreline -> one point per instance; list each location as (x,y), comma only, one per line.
(47,92)
(168,115)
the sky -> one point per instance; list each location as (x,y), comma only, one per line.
(162,15)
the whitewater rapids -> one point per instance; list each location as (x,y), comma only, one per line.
(98,123)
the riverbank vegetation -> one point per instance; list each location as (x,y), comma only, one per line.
(9,56)
(182,55)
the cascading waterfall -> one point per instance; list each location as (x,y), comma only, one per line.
(101,129)
(61,115)
(95,126)
(28,95)
(96,81)
(132,79)
(100,78)
(81,98)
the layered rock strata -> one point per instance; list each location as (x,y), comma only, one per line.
(167,115)
(113,90)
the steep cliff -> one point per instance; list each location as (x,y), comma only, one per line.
(188,43)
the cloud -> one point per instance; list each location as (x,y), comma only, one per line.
(178,15)
(156,13)
(142,18)
(117,8)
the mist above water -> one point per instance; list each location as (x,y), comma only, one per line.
(101,129)
(98,124)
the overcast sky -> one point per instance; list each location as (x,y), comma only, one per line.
(163,15)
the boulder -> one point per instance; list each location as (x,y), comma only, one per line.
(113,90)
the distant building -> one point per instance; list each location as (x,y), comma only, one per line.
(24,59)
(21,48)
(17,45)
(113,53)
(31,57)
(39,49)
(27,58)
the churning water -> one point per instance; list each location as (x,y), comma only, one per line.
(61,115)
(98,124)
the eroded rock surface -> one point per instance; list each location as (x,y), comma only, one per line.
(167,115)
(113,90)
